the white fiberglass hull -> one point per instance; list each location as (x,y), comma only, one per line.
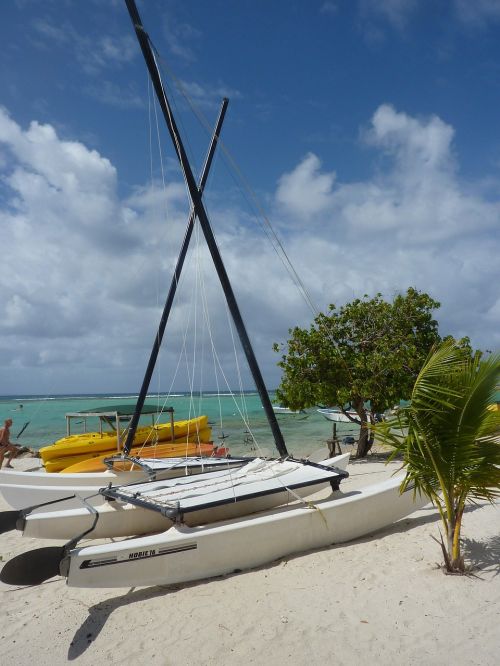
(278,409)
(23,496)
(117,519)
(185,554)
(26,489)
(337,416)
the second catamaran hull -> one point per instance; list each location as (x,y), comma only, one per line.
(186,554)
(117,519)
(26,489)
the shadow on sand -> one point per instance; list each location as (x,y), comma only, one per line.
(98,615)
(87,633)
(484,555)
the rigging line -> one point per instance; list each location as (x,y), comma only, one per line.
(245,421)
(194,297)
(287,263)
(177,146)
(257,206)
(182,353)
(197,258)
(237,364)
(175,138)
(272,236)
(244,413)
(195,197)
(153,108)
(165,198)
(180,260)
(208,326)
(175,106)
(185,353)
(270,233)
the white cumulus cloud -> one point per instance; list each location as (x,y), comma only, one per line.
(85,272)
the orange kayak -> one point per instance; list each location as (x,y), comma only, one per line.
(160,451)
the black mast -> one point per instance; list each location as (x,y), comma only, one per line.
(200,212)
(173,286)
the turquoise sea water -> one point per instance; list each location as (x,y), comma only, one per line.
(45,416)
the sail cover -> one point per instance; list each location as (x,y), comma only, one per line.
(257,478)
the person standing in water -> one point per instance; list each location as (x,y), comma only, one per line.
(6,446)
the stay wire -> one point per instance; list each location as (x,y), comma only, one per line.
(253,201)
(272,234)
(251,197)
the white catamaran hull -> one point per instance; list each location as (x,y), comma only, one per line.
(337,416)
(185,554)
(117,519)
(26,489)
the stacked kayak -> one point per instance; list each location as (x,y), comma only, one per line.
(182,438)
(177,450)
(184,447)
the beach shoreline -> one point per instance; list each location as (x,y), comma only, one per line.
(380,597)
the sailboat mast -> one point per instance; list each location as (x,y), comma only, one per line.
(205,225)
(173,286)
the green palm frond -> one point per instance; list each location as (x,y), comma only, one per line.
(430,393)
(449,439)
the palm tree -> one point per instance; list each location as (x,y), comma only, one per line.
(449,439)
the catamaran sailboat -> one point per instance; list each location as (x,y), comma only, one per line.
(237,539)
(257,484)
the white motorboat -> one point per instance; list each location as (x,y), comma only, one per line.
(279,409)
(335,414)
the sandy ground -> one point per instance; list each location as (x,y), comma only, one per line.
(380,598)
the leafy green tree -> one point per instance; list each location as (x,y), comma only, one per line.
(368,350)
(451,449)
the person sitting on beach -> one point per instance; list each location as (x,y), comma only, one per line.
(6,446)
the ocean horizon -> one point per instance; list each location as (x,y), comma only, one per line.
(39,420)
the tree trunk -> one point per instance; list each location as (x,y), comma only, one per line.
(457,560)
(454,560)
(365,440)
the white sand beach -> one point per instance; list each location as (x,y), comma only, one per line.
(380,598)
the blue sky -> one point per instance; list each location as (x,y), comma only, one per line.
(367,129)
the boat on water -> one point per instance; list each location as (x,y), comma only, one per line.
(337,415)
(279,409)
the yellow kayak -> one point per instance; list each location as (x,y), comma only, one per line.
(162,450)
(88,444)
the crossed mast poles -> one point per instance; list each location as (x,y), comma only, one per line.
(198,210)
